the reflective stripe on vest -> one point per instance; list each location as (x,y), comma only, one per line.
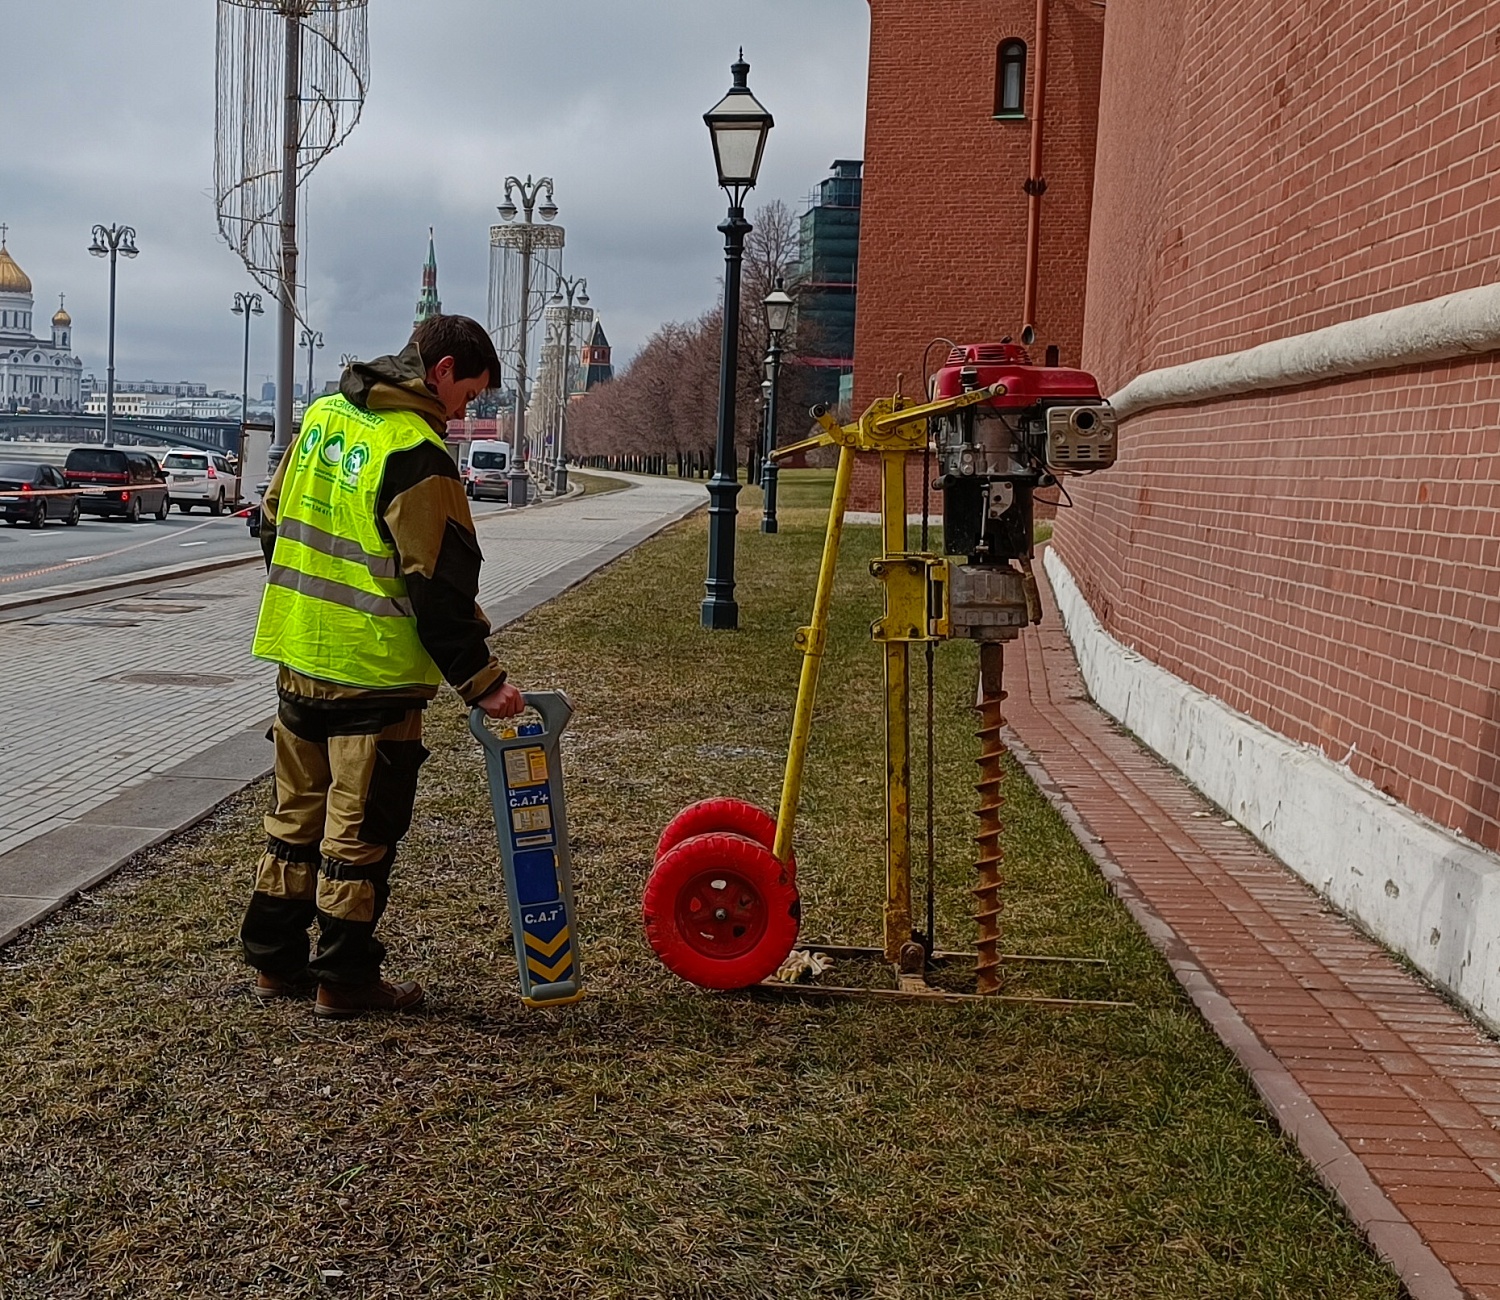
(336,606)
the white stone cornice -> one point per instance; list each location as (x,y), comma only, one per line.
(1456,325)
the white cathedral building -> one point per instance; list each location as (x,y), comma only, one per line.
(35,374)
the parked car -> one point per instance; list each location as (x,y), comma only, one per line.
(201,478)
(118,481)
(488,463)
(25,488)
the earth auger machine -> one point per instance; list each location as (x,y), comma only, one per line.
(721,906)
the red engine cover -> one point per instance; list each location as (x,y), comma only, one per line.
(1010,364)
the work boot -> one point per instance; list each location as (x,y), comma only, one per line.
(270,987)
(340,1002)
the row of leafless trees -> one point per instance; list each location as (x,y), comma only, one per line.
(662,408)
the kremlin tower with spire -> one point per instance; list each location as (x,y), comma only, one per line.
(429,305)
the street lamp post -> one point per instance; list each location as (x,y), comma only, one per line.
(566,289)
(310,339)
(778,309)
(527,190)
(738,125)
(246,305)
(112,242)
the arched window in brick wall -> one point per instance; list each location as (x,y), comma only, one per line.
(1010,79)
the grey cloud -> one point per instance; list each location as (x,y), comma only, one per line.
(112,120)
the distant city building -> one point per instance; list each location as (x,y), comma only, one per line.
(596,362)
(826,277)
(142,404)
(179,388)
(35,374)
(268,391)
(429,304)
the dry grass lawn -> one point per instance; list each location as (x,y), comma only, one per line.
(163,1134)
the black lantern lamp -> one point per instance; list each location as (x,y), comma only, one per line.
(738,125)
(777,306)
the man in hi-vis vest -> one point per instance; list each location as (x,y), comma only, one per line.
(369,606)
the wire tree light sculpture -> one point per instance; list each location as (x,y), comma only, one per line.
(332,49)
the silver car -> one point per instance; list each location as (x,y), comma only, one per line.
(201,478)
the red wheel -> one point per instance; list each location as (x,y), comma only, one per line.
(721,911)
(732,815)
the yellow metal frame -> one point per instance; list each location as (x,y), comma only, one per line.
(916,611)
(893,428)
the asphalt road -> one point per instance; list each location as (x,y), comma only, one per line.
(59,556)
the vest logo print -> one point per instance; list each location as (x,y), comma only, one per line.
(333,450)
(310,441)
(357,457)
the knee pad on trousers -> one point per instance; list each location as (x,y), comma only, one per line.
(352,893)
(287,870)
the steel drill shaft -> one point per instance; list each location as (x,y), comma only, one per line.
(990,857)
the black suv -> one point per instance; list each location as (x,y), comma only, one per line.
(117,481)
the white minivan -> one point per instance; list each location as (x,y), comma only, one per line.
(489,462)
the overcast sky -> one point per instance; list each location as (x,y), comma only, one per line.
(108,116)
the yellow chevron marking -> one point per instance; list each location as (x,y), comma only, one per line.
(547,948)
(549,972)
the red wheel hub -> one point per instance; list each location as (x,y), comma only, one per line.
(721,914)
(720,910)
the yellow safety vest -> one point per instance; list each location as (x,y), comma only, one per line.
(335,605)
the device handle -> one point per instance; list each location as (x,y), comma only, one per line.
(555,708)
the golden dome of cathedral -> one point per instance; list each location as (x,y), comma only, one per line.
(12,278)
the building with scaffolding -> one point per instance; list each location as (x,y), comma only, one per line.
(826,275)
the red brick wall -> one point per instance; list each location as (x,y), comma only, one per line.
(1323,560)
(943,218)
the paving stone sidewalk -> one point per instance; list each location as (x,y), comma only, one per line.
(129,716)
(1392,1094)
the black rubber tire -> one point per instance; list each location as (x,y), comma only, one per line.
(39,515)
(133,511)
(165,508)
(216,506)
(184,508)
(73,515)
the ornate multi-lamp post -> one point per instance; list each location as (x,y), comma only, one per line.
(527,191)
(310,339)
(112,242)
(246,305)
(738,125)
(778,309)
(566,289)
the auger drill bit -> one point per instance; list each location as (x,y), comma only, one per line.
(989,857)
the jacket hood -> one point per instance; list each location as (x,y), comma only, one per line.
(394,383)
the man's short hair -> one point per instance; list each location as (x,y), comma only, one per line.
(463,339)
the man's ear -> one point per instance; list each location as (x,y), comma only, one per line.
(441,370)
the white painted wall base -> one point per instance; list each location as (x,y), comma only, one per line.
(1426,893)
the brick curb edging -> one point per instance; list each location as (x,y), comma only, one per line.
(1389,1231)
(74,858)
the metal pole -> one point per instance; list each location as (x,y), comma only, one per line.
(109,392)
(768,475)
(560,473)
(307,395)
(286,360)
(518,481)
(245,381)
(1035,186)
(718,610)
